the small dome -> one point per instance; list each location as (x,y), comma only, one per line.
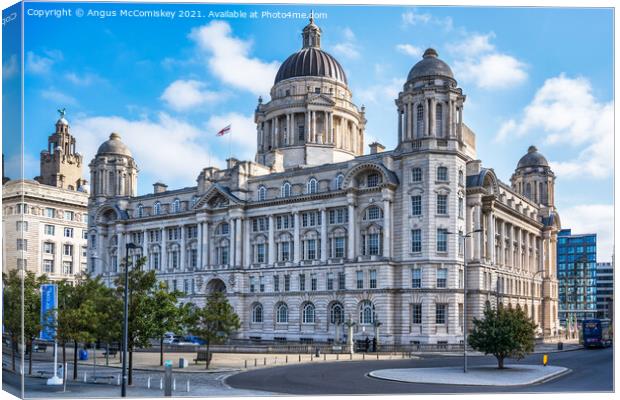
(532,159)
(430,66)
(114,146)
(62,121)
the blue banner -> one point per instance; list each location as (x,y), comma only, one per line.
(49,302)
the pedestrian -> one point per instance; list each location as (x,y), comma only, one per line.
(367,344)
(374,344)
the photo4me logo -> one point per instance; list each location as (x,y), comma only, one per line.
(9,18)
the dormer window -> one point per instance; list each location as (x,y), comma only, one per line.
(312,186)
(285,190)
(176,206)
(157,208)
(262,193)
(140,211)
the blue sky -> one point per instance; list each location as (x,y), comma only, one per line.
(539,76)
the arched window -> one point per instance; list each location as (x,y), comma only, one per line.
(439,120)
(442,174)
(140,211)
(338,182)
(157,208)
(367,312)
(416,174)
(336,313)
(176,206)
(420,121)
(373,213)
(461,178)
(262,193)
(282,314)
(285,190)
(308,314)
(257,313)
(312,186)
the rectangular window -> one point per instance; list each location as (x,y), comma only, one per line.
(341,281)
(22,244)
(416,278)
(287,283)
(302,282)
(22,226)
(49,229)
(67,267)
(442,204)
(416,315)
(193,258)
(440,313)
(185,285)
(373,244)
(416,205)
(48,266)
(311,248)
(373,279)
(442,277)
(416,240)
(84,251)
(261,283)
(69,215)
(252,284)
(359,279)
(260,253)
(85,235)
(313,282)
(285,253)
(339,247)
(442,240)
(22,263)
(224,255)
(460,278)
(276,283)
(174,285)
(330,281)
(300,132)
(68,232)
(460,207)
(49,212)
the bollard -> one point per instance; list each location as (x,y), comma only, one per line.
(148,382)
(363,356)
(265,361)
(545,360)
(161,383)
(300,358)
(245,364)
(118,380)
(287,358)
(84,376)
(337,356)
(187,385)
(275,361)
(174,384)
(324,356)
(350,356)
(255,362)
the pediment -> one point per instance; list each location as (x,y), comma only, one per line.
(217,196)
(321,100)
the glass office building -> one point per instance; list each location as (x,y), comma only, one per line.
(576,277)
(604,289)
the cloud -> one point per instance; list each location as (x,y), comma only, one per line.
(228,58)
(592,218)
(412,18)
(10,68)
(242,134)
(58,97)
(564,112)
(182,95)
(382,93)
(40,65)
(86,79)
(479,62)
(349,47)
(159,145)
(14,162)
(409,50)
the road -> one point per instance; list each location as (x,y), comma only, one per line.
(592,371)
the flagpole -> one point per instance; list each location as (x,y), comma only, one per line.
(230,144)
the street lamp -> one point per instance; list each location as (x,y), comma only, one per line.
(125,317)
(468,234)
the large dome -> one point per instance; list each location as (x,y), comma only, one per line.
(532,159)
(114,146)
(430,66)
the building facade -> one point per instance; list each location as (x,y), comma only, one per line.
(313,232)
(45,220)
(576,277)
(604,289)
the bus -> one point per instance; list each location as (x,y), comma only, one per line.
(596,332)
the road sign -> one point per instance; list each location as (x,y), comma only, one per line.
(49,303)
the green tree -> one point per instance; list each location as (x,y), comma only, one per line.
(171,317)
(504,332)
(214,322)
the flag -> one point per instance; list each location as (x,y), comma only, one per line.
(224,131)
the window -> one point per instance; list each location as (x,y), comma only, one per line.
(460,207)
(372,180)
(260,224)
(22,244)
(260,253)
(420,120)
(308,313)
(85,234)
(302,282)
(287,283)
(176,206)
(416,205)
(313,282)
(276,283)
(285,251)
(261,283)
(140,213)
(373,213)
(336,313)
(48,266)
(312,186)
(67,267)
(338,182)
(359,280)
(285,190)
(339,247)
(311,249)
(373,279)
(338,216)
(442,174)
(373,244)
(416,175)
(223,255)
(48,248)
(341,281)
(282,314)
(461,243)
(416,240)
(416,278)
(367,312)
(442,204)
(68,232)
(416,314)
(252,284)
(262,193)
(157,208)
(22,263)
(442,240)
(440,313)
(438,120)
(442,277)
(21,226)
(49,212)
(49,229)
(461,178)
(330,281)
(68,250)
(68,215)
(257,313)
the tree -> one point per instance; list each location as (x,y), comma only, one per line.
(171,317)
(214,322)
(504,333)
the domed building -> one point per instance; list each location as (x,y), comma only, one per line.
(314,232)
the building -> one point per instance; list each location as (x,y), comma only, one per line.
(314,232)
(44,220)
(576,277)
(604,289)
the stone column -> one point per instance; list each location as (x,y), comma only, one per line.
(205,245)
(460,127)
(232,235)
(449,117)
(296,241)
(247,251)
(308,126)
(331,127)
(183,251)
(432,123)
(288,129)
(271,252)
(323,236)
(313,140)
(477,237)
(426,117)
(405,117)
(401,134)
(387,223)
(164,249)
(238,241)
(491,237)
(352,227)
(414,122)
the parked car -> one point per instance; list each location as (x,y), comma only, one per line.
(169,337)
(180,341)
(195,340)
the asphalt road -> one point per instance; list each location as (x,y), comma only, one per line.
(592,371)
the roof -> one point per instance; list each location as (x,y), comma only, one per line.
(429,66)
(311,61)
(532,159)
(114,145)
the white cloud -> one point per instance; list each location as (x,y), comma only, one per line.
(413,18)
(14,162)
(409,50)
(565,112)
(382,93)
(158,145)
(592,218)
(242,134)
(349,47)
(479,62)
(228,58)
(58,97)
(40,65)
(183,95)
(10,68)
(86,79)
(506,128)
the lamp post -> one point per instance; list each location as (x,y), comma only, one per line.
(125,317)
(532,298)
(350,324)
(376,324)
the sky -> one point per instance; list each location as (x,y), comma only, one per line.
(167,85)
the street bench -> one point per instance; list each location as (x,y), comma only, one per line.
(202,356)
(111,352)
(40,348)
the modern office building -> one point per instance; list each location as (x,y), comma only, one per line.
(604,289)
(576,277)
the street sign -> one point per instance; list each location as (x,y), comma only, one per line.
(168,363)
(49,303)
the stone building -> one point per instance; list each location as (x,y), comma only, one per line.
(44,220)
(314,232)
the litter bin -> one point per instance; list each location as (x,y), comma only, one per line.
(83,355)
(560,346)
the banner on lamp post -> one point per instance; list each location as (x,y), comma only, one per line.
(49,303)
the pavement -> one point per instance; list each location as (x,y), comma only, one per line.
(483,375)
